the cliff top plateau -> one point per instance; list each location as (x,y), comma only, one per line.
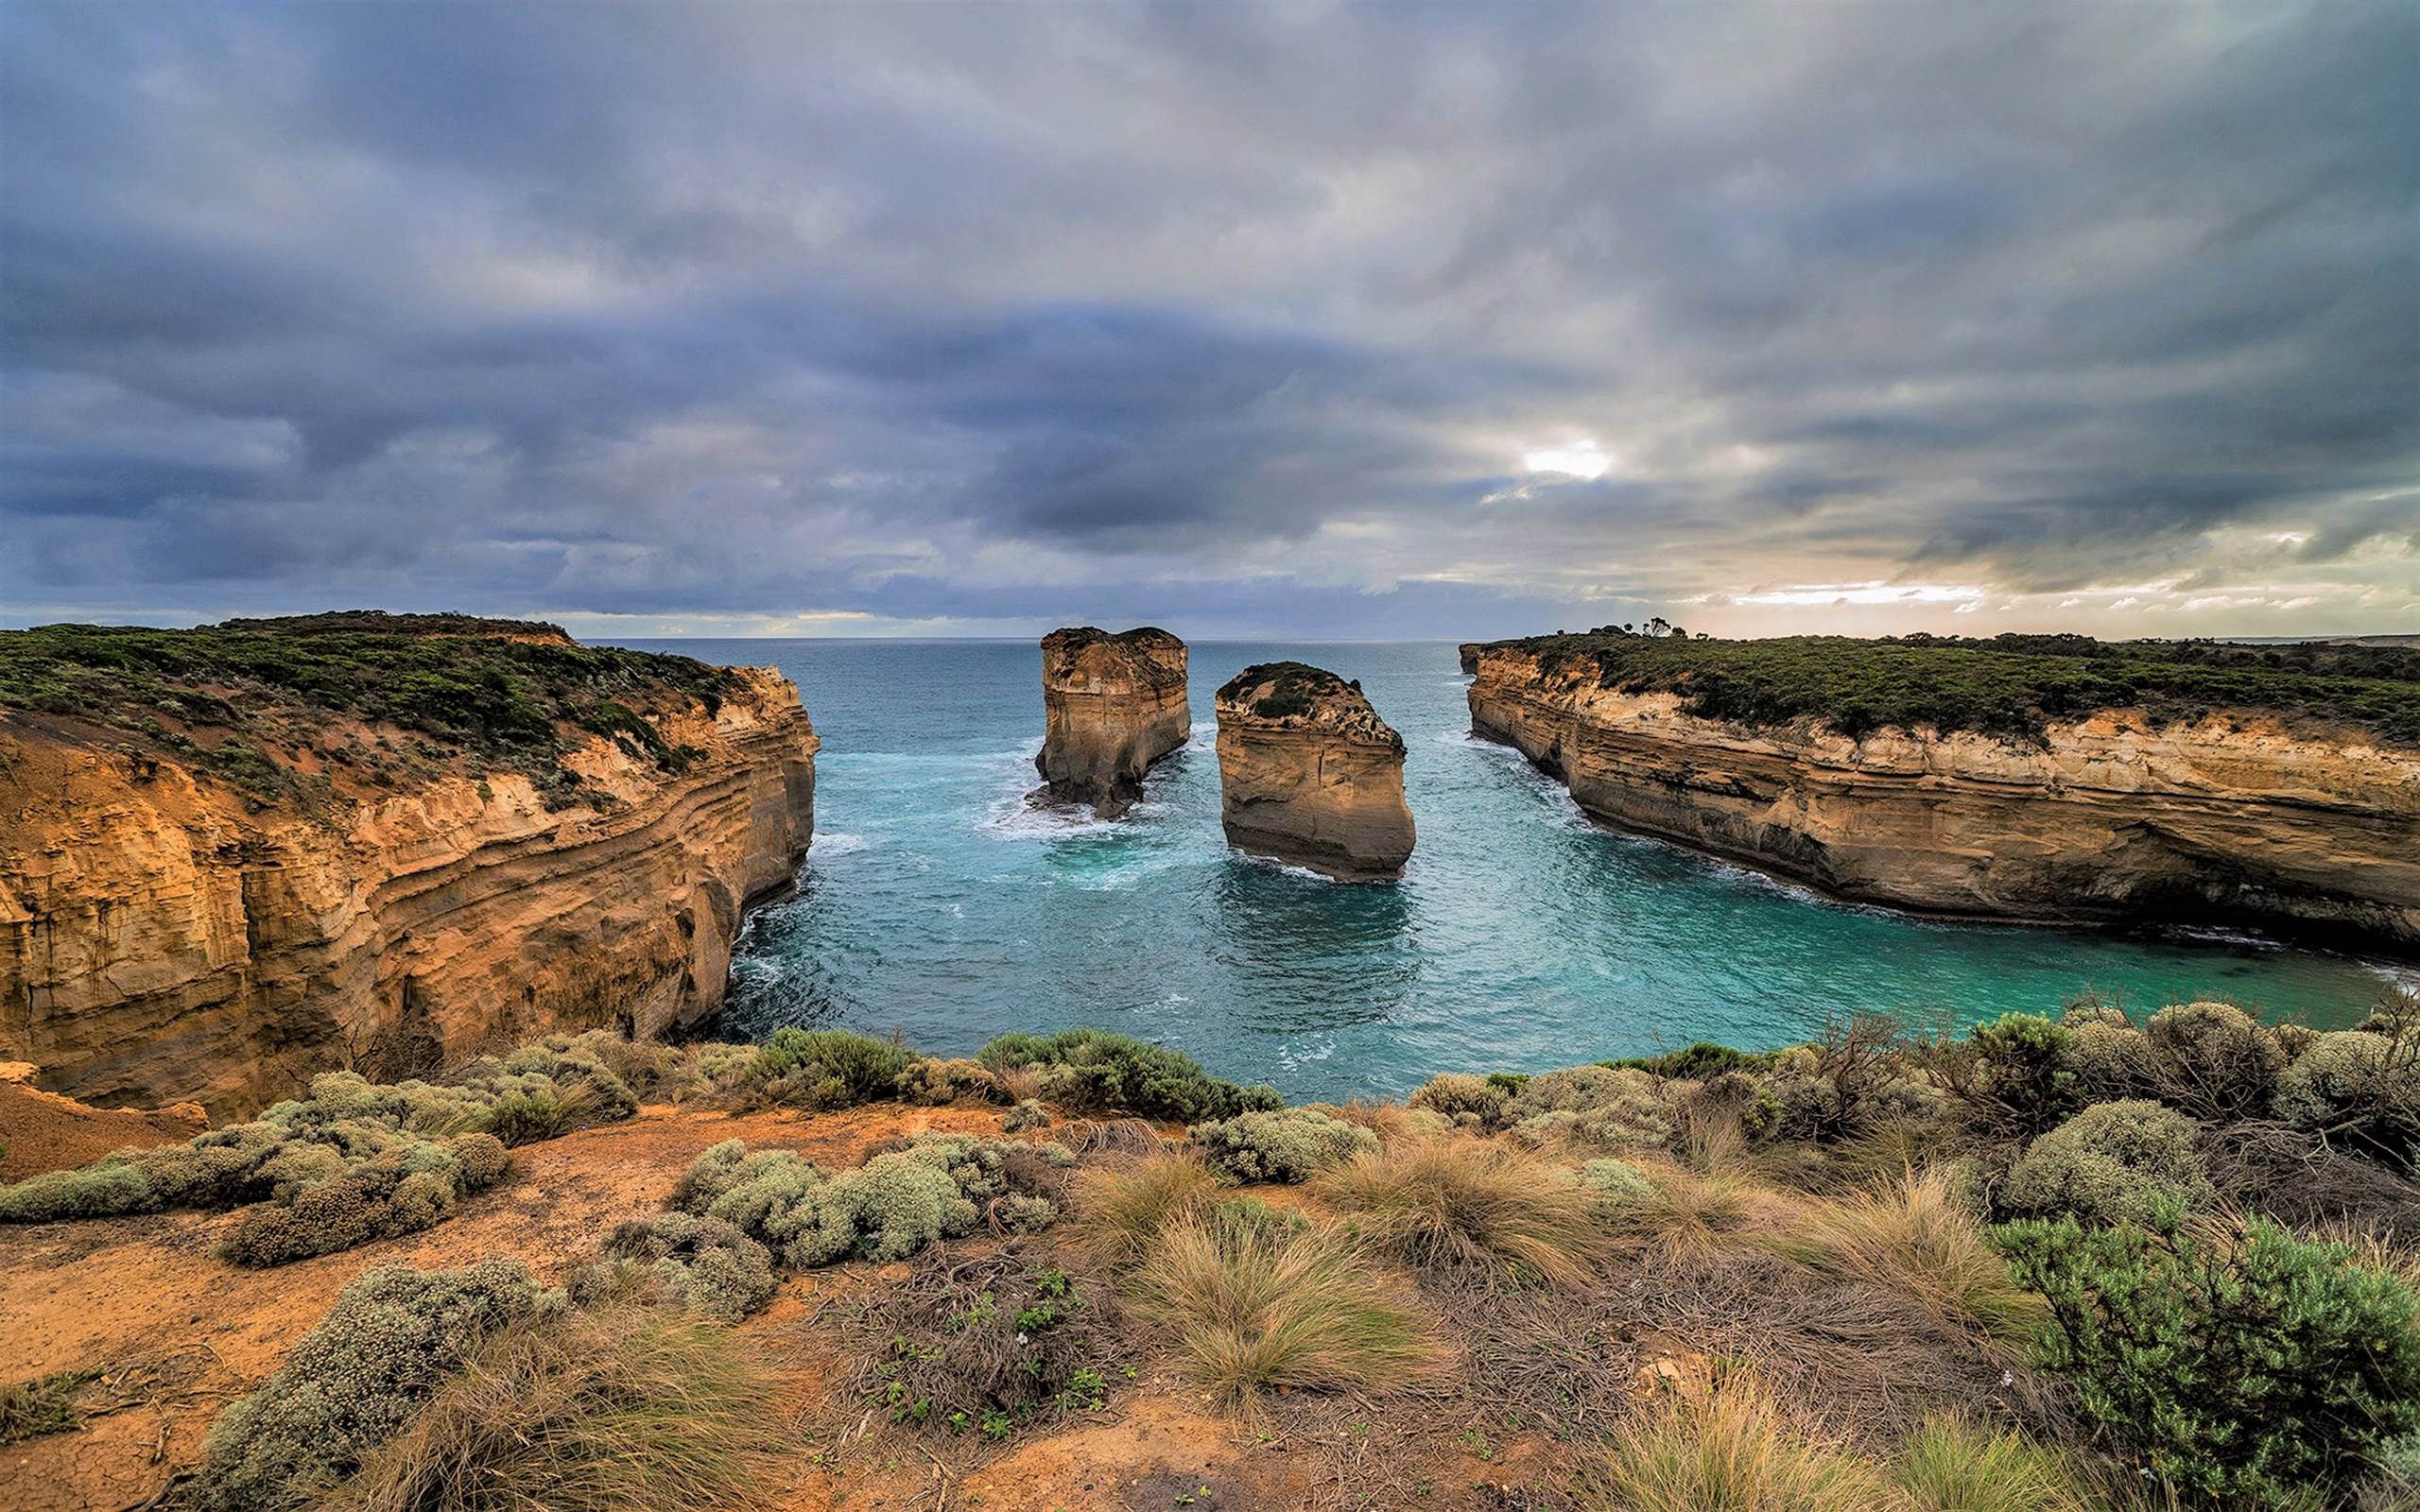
(1295,696)
(1147,644)
(248,702)
(2013,686)
(1080,1271)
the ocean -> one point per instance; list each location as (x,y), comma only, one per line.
(937,904)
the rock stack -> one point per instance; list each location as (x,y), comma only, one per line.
(1308,774)
(1112,705)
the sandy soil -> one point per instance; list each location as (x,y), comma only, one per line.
(43,1131)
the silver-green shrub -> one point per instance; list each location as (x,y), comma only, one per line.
(2213,1061)
(2359,1086)
(704,1265)
(1289,1144)
(354,1381)
(939,1185)
(405,1189)
(1470,1101)
(2125,1161)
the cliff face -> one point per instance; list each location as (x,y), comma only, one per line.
(2112,817)
(164,935)
(1112,705)
(1309,774)
(1469,651)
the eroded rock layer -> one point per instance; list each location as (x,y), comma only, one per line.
(1308,774)
(2112,817)
(1112,705)
(165,936)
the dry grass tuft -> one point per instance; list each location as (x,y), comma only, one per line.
(1252,1305)
(1732,1450)
(632,1410)
(1955,1464)
(1688,1214)
(1124,1208)
(1475,1206)
(1914,1238)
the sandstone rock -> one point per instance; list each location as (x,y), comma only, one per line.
(1112,705)
(2111,818)
(1469,651)
(1309,774)
(164,939)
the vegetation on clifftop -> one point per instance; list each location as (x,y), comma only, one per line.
(251,701)
(2012,685)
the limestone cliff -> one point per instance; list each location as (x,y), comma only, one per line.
(1469,651)
(1309,774)
(1112,705)
(2111,816)
(189,915)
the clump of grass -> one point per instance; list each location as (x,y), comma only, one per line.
(1732,1450)
(1475,1207)
(1951,1464)
(1915,1239)
(45,1405)
(632,1410)
(1124,1210)
(1254,1305)
(1683,1213)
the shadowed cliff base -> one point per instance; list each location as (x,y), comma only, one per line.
(1309,774)
(2051,780)
(1112,705)
(232,857)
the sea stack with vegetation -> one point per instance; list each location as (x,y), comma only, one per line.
(1308,774)
(2048,778)
(236,856)
(1112,705)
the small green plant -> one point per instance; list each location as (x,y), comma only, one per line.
(2248,1367)
(45,1405)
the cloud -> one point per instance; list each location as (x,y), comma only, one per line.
(1242,319)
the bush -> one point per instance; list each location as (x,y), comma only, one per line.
(1593,1103)
(2213,1061)
(1252,1305)
(2113,1162)
(1701,1062)
(1474,1206)
(2250,1367)
(2109,1056)
(1025,1115)
(940,1186)
(402,1191)
(353,1382)
(632,1409)
(936,1083)
(1287,1145)
(1616,1180)
(2359,1086)
(1090,1070)
(2022,1078)
(702,1264)
(1472,1102)
(826,1068)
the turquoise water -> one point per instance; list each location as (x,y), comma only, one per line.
(934,902)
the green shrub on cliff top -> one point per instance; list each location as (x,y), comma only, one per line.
(402,1191)
(704,1265)
(2249,1370)
(392,1337)
(1092,1071)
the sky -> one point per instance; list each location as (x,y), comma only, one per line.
(1306,320)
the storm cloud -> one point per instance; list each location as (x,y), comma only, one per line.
(1291,320)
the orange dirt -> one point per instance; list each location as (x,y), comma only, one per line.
(43,1131)
(179,1335)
